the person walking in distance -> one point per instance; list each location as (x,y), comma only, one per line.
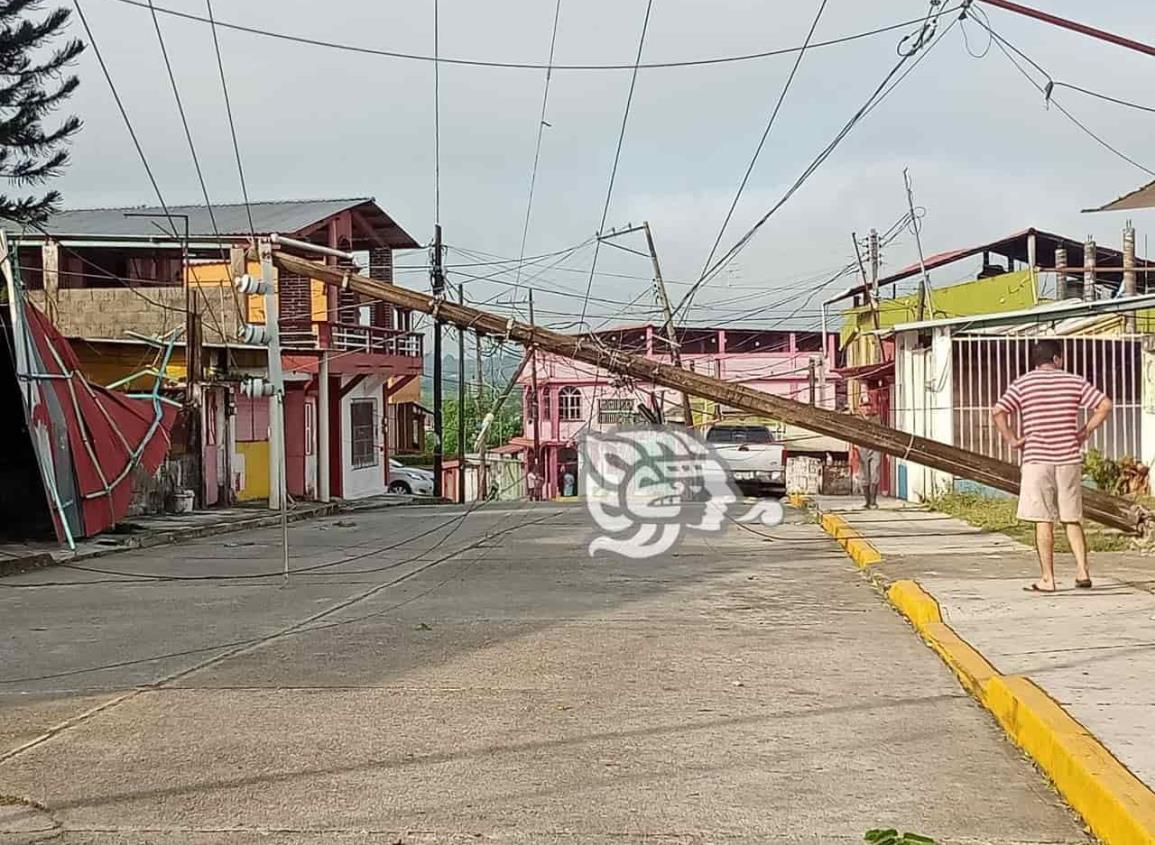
(869,460)
(1047,401)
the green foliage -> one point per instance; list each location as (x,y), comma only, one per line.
(32,85)
(507,424)
(890,836)
(1102,470)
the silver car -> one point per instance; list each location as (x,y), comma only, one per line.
(405,479)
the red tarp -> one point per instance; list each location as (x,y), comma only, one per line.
(106,429)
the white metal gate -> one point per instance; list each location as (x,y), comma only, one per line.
(985,365)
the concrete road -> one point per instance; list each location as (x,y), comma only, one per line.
(429,676)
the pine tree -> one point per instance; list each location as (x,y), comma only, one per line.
(33,84)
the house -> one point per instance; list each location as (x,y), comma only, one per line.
(1012,273)
(116,281)
(574,398)
(949,373)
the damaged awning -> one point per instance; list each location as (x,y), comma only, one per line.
(87,439)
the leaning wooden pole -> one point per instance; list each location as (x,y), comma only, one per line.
(1109,510)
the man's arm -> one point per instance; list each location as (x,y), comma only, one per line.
(1003,422)
(1097,418)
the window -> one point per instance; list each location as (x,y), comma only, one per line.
(569,403)
(546,413)
(616,411)
(363,428)
(739,434)
(529,406)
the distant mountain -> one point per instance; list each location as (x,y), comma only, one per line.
(497,367)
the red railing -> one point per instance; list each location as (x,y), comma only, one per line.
(347,337)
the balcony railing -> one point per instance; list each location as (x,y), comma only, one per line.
(303,334)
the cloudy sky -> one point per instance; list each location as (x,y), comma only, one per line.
(985,154)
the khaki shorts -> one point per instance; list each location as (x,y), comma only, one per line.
(1051,493)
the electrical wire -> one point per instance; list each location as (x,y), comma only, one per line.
(618,152)
(229,112)
(316,42)
(762,141)
(541,124)
(1006,47)
(922,42)
(124,115)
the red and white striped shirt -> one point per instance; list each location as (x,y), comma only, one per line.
(1047,403)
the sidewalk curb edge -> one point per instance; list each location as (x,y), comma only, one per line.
(1115,804)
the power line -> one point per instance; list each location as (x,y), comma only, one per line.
(394,54)
(618,152)
(229,111)
(124,115)
(436,114)
(921,41)
(541,124)
(1006,48)
(762,140)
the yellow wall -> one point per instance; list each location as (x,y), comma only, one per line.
(409,393)
(1006,292)
(256,457)
(214,275)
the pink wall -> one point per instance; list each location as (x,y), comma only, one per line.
(784,373)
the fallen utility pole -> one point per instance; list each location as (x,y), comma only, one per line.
(1109,510)
(1074,26)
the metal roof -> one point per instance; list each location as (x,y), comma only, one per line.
(286,217)
(1143,197)
(1110,261)
(1051,312)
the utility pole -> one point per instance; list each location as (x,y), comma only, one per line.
(924,279)
(874,262)
(535,459)
(813,376)
(663,300)
(269,335)
(437,278)
(671,331)
(461,404)
(1110,510)
(1074,26)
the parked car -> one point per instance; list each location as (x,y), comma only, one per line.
(404,479)
(757,464)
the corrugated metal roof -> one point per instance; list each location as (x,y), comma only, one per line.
(1143,197)
(284,217)
(1052,312)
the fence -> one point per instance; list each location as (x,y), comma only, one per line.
(985,365)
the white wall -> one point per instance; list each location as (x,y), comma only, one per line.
(1147,431)
(367,481)
(924,381)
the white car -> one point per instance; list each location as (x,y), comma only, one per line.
(403,479)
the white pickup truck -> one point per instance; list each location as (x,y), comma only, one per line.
(756,463)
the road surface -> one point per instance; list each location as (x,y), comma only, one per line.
(445,676)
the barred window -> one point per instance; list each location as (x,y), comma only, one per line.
(363,430)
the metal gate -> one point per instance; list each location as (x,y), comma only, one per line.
(985,365)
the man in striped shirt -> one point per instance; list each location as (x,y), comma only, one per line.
(1047,402)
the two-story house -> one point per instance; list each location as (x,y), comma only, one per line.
(574,398)
(114,281)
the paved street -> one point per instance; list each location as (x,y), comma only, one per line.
(488,681)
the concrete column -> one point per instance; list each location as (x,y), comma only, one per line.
(323,427)
(1130,288)
(1060,274)
(50,256)
(1089,261)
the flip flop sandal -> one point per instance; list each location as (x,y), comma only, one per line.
(1083,585)
(1035,588)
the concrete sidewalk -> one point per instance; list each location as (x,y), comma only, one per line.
(139,532)
(1089,650)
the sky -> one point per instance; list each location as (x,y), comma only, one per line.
(985,155)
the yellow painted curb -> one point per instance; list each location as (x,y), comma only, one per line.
(798,500)
(1118,807)
(915,603)
(860,551)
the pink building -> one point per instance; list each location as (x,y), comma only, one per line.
(574,398)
